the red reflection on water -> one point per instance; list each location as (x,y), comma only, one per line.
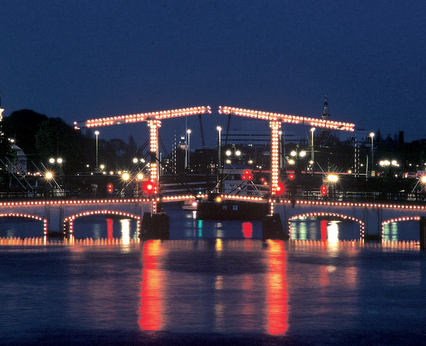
(277,295)
(324,231)
(151,309)
(247,229)
(324,280)
(109,228)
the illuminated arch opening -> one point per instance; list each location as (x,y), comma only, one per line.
(399,219)
(27,216)
(318,215)
(68,223)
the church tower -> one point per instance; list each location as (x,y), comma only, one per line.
(325,116)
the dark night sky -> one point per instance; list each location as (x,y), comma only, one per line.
(80,59)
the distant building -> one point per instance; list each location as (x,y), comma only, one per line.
(19,163)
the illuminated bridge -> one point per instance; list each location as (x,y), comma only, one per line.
(58,216)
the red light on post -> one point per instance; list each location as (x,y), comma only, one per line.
(148,187)
(291,176)
(323,190)
(280,189)
(110,188)
(247,175)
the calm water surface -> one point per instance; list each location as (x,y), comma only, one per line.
(212,283)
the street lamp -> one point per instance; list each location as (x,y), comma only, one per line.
(219,150)
(372,153)
(188,151)
(312,149)
(125,176)
(332,178)
(219,145)
(96,150)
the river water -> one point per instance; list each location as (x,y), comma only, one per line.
(212,283)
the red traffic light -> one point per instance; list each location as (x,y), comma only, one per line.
(291,176)
(280,189)
(247,175)
(110,188)
(323,190)
(148,187)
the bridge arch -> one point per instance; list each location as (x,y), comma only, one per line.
(27,216)
(68,222)
(328,214)
(399,219)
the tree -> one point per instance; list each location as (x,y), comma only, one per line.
(22,126)
(57,139)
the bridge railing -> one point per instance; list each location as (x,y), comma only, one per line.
(339,195)
(333,195)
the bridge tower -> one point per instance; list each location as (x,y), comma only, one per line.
(153,120)
(275,120)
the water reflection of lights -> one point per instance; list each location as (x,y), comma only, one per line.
(295,243)
(97,231)
(219,245)
(247,229)
(151,306)
(333,235)
(110,228)
(125,231)
(200,228)
(277,295)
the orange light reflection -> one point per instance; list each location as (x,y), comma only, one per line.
(151,306)
(277,295)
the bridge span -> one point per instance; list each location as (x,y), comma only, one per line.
(371,216)
(58,215)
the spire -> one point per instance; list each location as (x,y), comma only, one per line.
(325,114)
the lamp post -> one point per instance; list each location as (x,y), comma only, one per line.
(96,150)
(312,150)
(219,150)
(188,149)
(372,153)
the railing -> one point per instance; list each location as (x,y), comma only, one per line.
(339,195)
(334,195)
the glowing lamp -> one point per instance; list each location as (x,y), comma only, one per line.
(125,176)
(323,190)
(148,187)
(247,175)
(332,178)
(279,189)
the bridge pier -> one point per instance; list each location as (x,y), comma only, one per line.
(272,228)
(54,215)
(422,223)
(373,224)
(155,226)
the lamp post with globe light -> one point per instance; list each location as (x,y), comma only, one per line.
(96,151)
(372,154)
